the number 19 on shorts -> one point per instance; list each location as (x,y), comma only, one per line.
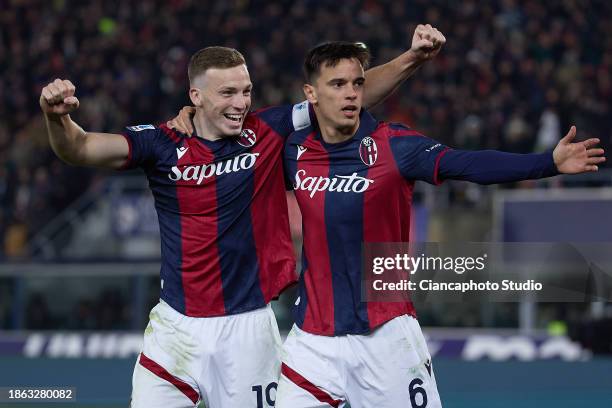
(269,393)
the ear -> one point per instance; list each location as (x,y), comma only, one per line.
(311,93)
(195,96)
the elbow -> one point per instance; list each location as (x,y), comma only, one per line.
(71,161)
(70,157)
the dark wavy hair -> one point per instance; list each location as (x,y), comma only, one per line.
(330,53)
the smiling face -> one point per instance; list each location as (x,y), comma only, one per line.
(223,96)
(337,95)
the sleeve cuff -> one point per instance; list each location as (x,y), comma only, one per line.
(550,169)
(436,173)
(128,161)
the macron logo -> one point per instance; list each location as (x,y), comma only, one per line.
(180,151)
(301,151)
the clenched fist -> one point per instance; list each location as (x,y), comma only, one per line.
(427,42)
(58,98)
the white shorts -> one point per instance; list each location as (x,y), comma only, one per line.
(389,367)
(227,361)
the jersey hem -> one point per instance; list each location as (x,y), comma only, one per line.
(244,309)
(356,332)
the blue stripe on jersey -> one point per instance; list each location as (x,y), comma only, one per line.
(299,312)
(236,243)
(345,234)
(291,150)
(416,156)
(166,204)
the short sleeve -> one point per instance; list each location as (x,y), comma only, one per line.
(417,156)
(143,141)
(286,119)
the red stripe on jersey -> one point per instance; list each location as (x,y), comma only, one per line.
(303,383)
(200,267)
(270,215)
(171,133)
(319,316)
(128,160)
(390,195)
(437,167)
(161,372)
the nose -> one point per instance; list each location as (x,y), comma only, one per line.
(351,93)
(241,102)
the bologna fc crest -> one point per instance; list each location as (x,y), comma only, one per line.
(247,138)
(368,151)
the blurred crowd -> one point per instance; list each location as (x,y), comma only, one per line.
(109,310)
(513,75)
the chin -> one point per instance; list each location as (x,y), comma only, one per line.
(346,122)
(233,131)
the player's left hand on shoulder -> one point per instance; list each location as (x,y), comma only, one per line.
(577,157)
(182,122)
(427,41)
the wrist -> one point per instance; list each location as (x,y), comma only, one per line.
(57,117)
(553,158)
(553,165)
(411,59)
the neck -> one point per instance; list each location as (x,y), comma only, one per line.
(202,128)
(334,134)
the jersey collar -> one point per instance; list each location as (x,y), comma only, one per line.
(367,125)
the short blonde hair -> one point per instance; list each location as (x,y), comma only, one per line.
(213,57)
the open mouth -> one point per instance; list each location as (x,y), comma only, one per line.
(349,110)
(234,117)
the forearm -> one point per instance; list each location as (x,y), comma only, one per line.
(492,166)
(383,80)
(66,137)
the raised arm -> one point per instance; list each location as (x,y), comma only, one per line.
(421,158)
(68,140)
(491,166)
(383,80)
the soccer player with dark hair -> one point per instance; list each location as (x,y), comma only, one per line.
(225,241)
(353,178)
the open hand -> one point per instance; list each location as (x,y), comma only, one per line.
(577,157)
(182,122)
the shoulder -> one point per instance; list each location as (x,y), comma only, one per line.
(395,129)
(299,136)
(271,113)
(161,133)
(298,116)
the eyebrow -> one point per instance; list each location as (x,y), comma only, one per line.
(331,81)
(233,88)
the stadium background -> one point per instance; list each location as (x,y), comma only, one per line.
(79,248)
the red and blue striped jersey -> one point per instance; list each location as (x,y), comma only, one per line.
(360,191)
(349,193)
(225,241)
